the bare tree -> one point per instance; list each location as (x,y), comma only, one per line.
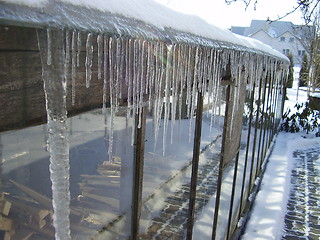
(309,8)
(308,34)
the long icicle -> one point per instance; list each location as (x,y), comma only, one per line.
(73,66)
(89,58)
(56,105)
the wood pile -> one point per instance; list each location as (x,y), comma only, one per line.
(29,215)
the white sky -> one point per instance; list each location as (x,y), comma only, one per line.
(218,13)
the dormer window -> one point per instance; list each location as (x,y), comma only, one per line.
(282,39)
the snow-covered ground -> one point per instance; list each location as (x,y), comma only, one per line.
(267,217)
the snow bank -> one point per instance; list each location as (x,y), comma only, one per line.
(159,16)
(267,218)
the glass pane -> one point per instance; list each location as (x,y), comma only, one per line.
(166,179)
(211,139)
(101,190)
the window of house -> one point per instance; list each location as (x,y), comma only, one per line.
(299,52)
(286,51)
(282,39)
(291,39)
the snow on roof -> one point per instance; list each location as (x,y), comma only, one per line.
(153,13)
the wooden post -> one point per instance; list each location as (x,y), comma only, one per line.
(138,174)
(195,164)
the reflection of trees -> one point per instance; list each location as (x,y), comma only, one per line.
(265,115)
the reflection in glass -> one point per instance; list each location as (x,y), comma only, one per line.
(101,190)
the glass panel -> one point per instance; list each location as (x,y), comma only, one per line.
(101,190)
(166,179)
(211,139)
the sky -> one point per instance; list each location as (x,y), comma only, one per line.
(218,13)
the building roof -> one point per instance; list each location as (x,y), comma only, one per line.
(273,29)
(140,18)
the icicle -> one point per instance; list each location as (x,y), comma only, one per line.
(48,47)
(194,91)
(175,87)
(79,49)
(118,72)
(158,89)
(122,65)
(105,69)
(128,80)
(67,57)
(184,76)
(130,76)
(142,80)
(112,96)
(167,97)
(111,127)
(55,94)
(73,66)
(89,59)
(100,50)
(151,74)
(135,76)
(189,80)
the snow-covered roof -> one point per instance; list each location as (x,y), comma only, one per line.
(274,29)
(126,17)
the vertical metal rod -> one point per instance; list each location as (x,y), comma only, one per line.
(276,105)
(270,111)
(138,174)
(262,129)
(195,164)
(247,150)
(264,142)
(225,127)
(235,175)
(254,141)
(234,183)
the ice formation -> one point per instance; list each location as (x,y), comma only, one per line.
(155,75)
(54,73)
(160,73)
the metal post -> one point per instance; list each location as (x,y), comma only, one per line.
(217,204)
(234,183)
(255,140)
(262,129)
(247,150)
(138,174)
(195,164)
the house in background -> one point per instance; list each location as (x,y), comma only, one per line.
(282,36)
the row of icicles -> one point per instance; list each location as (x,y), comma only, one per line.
(156,75)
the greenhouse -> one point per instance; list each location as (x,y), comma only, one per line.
(126,120)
